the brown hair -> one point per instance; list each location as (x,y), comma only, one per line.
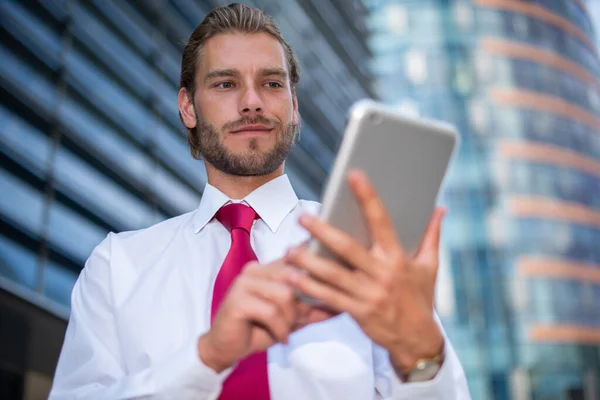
(235,17)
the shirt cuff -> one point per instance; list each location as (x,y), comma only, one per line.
(437,388)
(185,376)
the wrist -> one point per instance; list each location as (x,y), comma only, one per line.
(405,360)
(209,356)
(425,369)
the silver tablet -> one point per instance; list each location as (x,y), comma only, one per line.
(405,159)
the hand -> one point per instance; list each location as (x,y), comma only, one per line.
(390,295)
(259,310)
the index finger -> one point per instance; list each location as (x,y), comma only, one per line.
(378,219)
(277,270)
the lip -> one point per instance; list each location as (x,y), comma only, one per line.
(253,129)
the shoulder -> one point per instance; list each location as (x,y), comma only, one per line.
(162,228)
(308,206)
(120,259)
(144,241)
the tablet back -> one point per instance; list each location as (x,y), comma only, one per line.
(404,158)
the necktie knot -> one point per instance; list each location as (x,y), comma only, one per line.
(236,215)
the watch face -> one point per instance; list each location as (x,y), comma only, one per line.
(425,371)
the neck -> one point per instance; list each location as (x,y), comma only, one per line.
(237,187)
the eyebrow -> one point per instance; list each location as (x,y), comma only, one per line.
(274,71)
(234,73)
(220,73)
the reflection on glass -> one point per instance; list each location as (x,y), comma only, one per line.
(71,234)
(18,263)
(58,283)
(24,206)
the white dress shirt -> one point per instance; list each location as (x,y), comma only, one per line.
(144,297)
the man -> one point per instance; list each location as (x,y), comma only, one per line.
(180,310)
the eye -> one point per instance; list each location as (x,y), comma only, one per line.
(274,85)
(224,85)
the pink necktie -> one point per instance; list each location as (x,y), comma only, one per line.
(249,379)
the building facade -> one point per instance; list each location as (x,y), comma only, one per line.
(519,288)
(91,141)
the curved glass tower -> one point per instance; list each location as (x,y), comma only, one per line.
(519,289)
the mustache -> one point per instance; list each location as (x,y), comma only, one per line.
(258,119)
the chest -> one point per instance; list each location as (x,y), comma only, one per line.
(170,302)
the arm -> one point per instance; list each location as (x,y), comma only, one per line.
(389,293)
(91,365)
(449,384)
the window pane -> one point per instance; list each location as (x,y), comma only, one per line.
(21,204)
(17,263)
(59,283)
(71,234)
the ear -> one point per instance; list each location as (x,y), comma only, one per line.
(296,113)
(186,109)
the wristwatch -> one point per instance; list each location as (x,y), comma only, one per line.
(425,369)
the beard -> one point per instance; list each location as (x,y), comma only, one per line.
(251,162)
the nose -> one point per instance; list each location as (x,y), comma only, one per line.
(251,102)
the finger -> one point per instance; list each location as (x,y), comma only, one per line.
(332,298)
(339,243)
(267,315)
(428,252)
(314,315)
(278,271)
(376,214)
(273,271)
(279,294)
(302,310)
(328,271)
(319,315)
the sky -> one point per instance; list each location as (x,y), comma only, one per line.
(594,11)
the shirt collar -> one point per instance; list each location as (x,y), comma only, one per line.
(272,202)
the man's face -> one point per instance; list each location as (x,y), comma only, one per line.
(245,112)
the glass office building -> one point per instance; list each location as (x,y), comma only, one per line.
(519,288)
(91,142)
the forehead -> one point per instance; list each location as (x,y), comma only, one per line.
(244,52)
